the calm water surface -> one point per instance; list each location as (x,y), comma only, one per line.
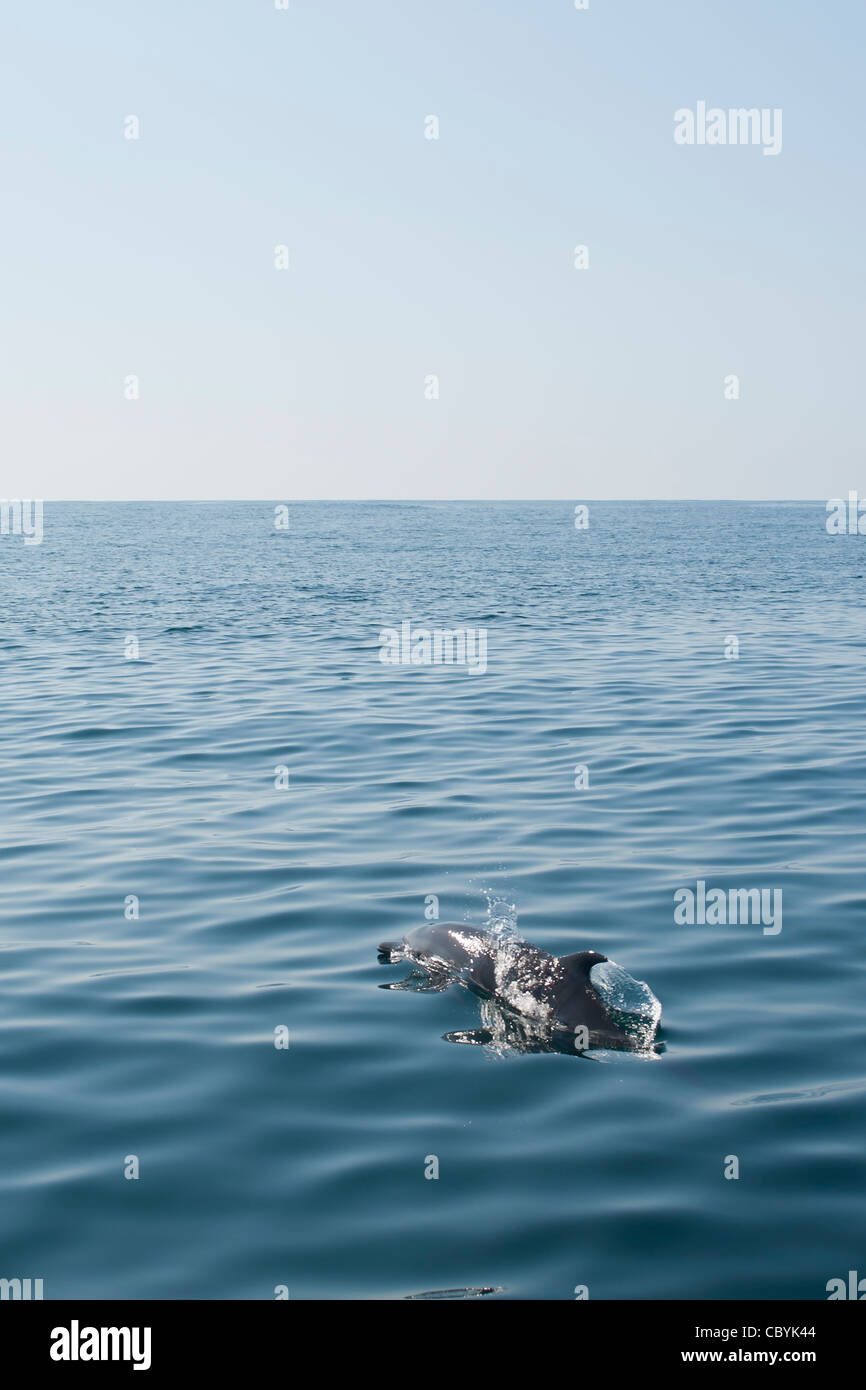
(261,907)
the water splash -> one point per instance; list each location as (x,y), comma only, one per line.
(505,1035)
(501,917)
(630,1002)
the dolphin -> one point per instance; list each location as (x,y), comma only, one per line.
(554,994)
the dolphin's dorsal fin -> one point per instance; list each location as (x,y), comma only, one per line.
(581,962)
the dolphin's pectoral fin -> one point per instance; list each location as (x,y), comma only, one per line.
(420,982)
(475,1037)
(511,1038)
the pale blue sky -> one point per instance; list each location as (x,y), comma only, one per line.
(411,257)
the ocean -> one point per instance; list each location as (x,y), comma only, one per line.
(217,799)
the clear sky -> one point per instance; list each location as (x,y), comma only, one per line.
(412,257)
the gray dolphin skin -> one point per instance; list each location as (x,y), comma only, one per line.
(519,977)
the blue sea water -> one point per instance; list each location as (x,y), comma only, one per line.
(261,906)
